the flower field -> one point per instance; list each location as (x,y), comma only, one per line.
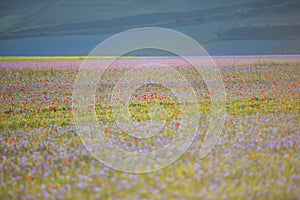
(256,157)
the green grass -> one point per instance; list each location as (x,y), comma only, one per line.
(257,157)
(62,115)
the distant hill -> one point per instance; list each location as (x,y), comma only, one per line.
(211,22)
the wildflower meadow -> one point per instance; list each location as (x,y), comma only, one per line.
(256,156)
